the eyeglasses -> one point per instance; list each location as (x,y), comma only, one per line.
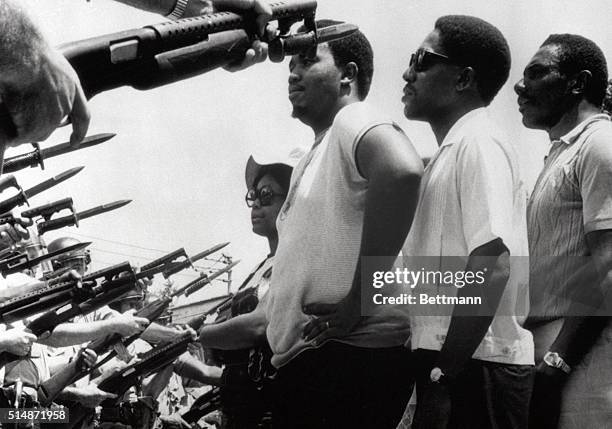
(264,195)
(422,59)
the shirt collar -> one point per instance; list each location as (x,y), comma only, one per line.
(573,135)
(457,131)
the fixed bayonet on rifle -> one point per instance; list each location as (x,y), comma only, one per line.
(60,222)
(9,181)
(198,284)
(151,312)
(205,404)
(22,261)
(189,261)
(196,322)
(38,155)
(22,197)
(101,295)
(170,257)
(47,210)
(55,274)
(150,362)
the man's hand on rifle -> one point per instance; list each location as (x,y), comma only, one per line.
(127,324)
(17,341)
(259,50)
(87,358)
(174,421)
(12,233)
(91,396)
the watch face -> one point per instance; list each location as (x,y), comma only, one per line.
(552,359)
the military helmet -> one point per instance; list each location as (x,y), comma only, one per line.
(65,259)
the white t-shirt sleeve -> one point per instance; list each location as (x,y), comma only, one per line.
(485,185)
(351,124)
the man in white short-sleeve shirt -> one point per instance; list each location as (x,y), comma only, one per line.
(471,209)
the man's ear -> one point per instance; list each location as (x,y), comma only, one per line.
(465,79)
(349,73)
(577,86)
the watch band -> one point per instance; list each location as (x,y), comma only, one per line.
(179,10)
(553,359)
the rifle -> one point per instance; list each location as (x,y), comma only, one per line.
(152,311)
(160,54)
(205,404)
(103,294)
(70,220)
(164,53)
(38,155)
(118,383)
(196,322)
(9,181)
(69,375)
(56,294)
(47,210)
(189,261)
(16,262)
(22,196)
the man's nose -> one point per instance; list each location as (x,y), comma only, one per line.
(519,87)
(409,74)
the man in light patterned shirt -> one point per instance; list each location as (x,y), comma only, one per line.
(570,234)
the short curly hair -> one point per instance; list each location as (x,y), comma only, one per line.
(354,48)
(577,53)
(473,42)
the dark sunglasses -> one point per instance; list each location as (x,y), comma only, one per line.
(423,59)
(264,195)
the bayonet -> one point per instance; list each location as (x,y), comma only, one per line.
(203,280)
(165,259)
(189,261)
(61,222)
(23,262)
(48,210)
(38,155)
(22,196)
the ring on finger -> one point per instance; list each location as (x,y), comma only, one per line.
(327,324)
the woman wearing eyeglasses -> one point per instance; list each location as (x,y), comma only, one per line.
(240,330)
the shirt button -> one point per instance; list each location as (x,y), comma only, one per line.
(506,350)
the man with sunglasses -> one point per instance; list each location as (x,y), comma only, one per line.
(352,196)
(474,362)
(569,222)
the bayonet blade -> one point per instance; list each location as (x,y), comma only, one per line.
(180,266)
(63,148)
(335,32)
(202,281)
(58,252)
(207,252)
(101,209)
(49,183)
(22,262)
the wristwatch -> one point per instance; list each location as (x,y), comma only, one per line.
(436,375)
(553,359)
(178,10)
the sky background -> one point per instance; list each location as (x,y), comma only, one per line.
(181,150)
